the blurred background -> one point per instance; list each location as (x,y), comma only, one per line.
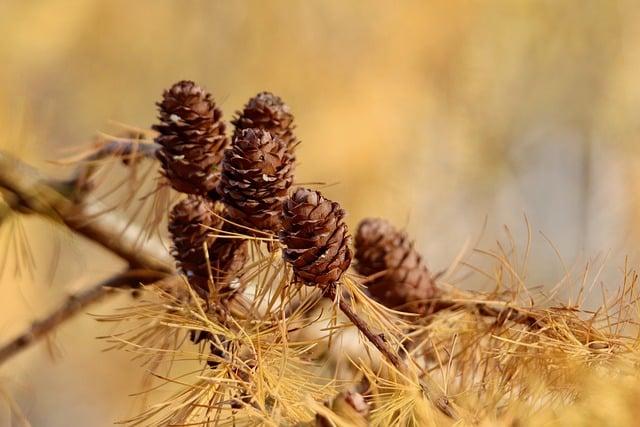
(438,115)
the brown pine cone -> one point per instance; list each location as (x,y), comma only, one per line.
(268,112)
(403,279)
(257,172)
(227,256)
(190,224)
(316,238)
(192,136)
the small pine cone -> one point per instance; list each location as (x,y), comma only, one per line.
(257,172)
(316,238)
(227,257)
(190,224)
(403,279)
(268,112)
(192,137)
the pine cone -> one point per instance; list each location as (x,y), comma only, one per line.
(405,281)
(192,137)
(227,257)
(316,238)
(190,224)
(257,171)
(268,112)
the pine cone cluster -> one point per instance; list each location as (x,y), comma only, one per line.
(192,138)
(316,238)
(196,248)
(257,172)
(268,112)
(403,280)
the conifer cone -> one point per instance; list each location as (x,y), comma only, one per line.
(192,137)
(268,112)
(257,172)
(403,279)
(316,238)
(227,257)
(190,224)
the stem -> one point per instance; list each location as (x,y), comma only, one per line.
(501,314)
(442,403)
(24,190)
(375,339)
(129,149)
(74,304)
(29,193)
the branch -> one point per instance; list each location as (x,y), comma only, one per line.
(129,149)
(74,304)
(25,189)
(440,402)
(502,314)
(375,339)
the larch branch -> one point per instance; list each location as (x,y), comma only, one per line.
(76,303)
(28,192)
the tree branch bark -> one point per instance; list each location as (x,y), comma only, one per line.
(76,303)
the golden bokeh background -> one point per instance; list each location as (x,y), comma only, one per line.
(434,114)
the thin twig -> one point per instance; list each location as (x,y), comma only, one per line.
(441,402)
(73,305)
(128,149)
(502,314)
(375,339)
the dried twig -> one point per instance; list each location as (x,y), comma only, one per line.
(128,149)
(440,402)
(502,313)
(375,339)
(24,190)
(73,305)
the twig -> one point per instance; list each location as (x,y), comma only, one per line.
(74,304)
(30,193)
(24,190)
(487,309)
(442,403)
(128,149)
(377,340)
